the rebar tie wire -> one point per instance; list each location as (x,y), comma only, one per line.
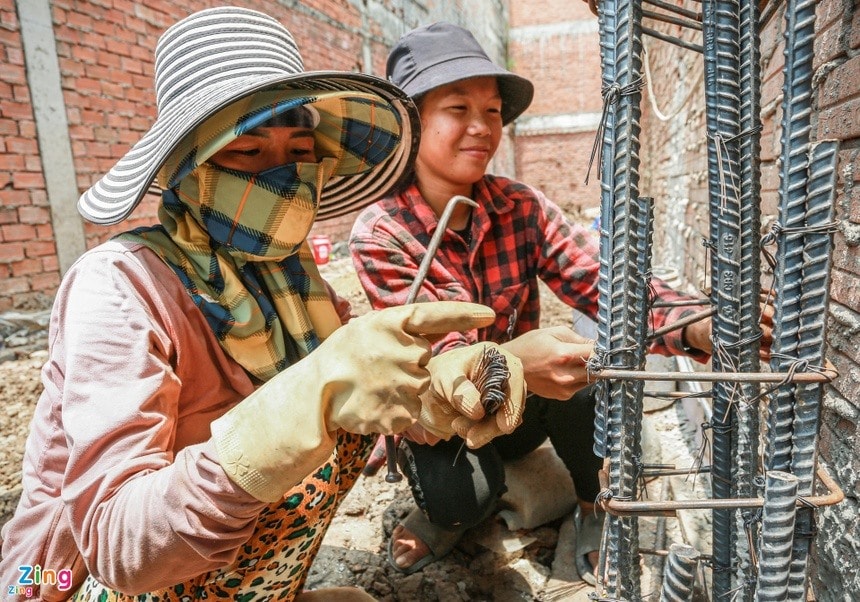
(799,365)
(599,360)
(698,463)
(777,230)
(720,142)
(611,95)
(750,520)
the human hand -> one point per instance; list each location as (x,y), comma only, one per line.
(452,404)
(698,334)
(554,360)
(376,368)
(418,434)
(366,377)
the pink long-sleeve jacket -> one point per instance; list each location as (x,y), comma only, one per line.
(120,479)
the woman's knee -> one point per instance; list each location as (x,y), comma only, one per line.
(454,486)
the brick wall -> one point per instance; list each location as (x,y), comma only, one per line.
(674,171)
(105,49)
(554,43)
(28,262)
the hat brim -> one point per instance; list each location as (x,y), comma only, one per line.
(117,193)
(516,92)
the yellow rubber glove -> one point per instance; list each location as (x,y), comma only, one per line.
(452,404)
(367,377)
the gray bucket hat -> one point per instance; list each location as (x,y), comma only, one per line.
(219,57)
(443,53)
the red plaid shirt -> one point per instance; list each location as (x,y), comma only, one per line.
(517,237)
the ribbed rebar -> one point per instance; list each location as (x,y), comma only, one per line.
(679,576)
(818,243)
(777,533)
(788,275)
(607,34)
(608,554)
(622,294)
(747,431)
(722,96)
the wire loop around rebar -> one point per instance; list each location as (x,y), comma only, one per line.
(777,230)
(611,95)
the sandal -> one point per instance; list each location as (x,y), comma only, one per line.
(589,532)
(440,541)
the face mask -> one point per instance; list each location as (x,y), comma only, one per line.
(265,215)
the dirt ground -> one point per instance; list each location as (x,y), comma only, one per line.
(491,562)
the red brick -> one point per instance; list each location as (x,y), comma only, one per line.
(853,204)
(39,198)
(44,232)
(11,162)
(50,263)
(78,20)
(34,215)
(17,233)
(8,215)
(10,252)
(21,146)
(845,288)
(854,39)
(841,121)
(46,282)
(40,248)
(829,44)
(28,179)
(8,127)
(14,198)
(15,110)
(84,54)
(11,286)
(71,68)
(26,267)
(847,384)
(33,163)
(21,93)
(840,84)
(12,74)
(828,11)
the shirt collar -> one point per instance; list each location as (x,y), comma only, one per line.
(489,197)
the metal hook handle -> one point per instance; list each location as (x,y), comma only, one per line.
(394,475)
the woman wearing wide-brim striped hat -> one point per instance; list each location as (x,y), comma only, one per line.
(206,405)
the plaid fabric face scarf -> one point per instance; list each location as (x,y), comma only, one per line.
(237,240)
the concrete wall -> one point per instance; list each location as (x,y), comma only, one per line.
(674,172)
(76,91)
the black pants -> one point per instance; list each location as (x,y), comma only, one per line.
(457,486)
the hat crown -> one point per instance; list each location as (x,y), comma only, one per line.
(219,45)
(427,47)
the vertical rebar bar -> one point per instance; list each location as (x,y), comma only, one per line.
(679,576)
(788,276)
(607,34)
(608,554)
(777,534)
(722,95)
(747,431)
(623,296)
(817,246)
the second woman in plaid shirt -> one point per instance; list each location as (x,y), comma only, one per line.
(492,254)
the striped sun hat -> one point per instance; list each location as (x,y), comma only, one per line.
(217,57)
